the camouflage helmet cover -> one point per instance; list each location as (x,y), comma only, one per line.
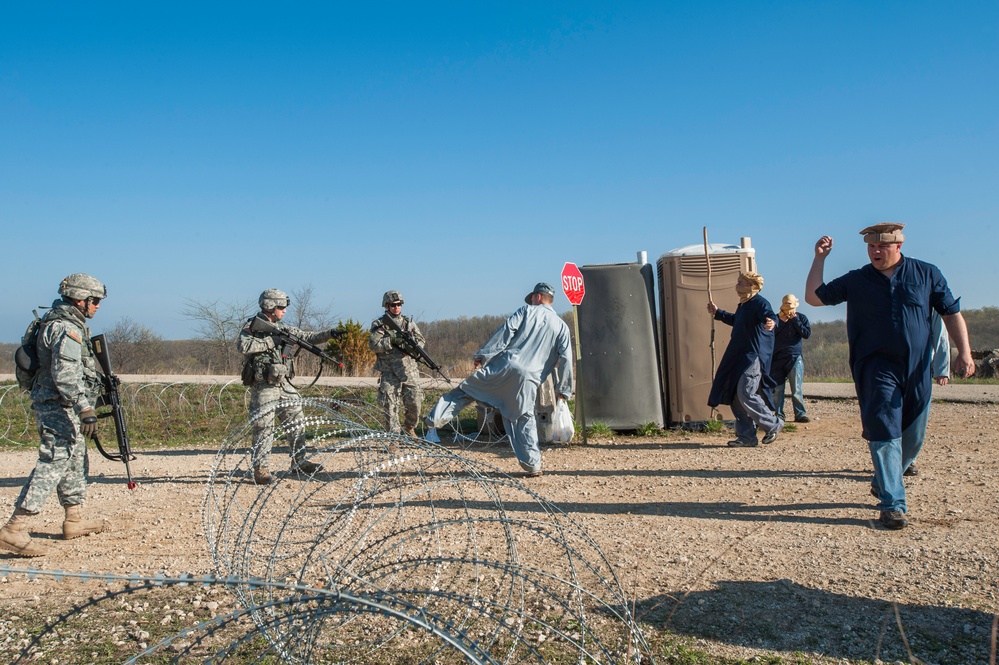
(272,299)
(391,296)
(80,286)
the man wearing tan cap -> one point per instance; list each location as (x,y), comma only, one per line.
(889,305)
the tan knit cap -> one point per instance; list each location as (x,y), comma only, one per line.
(883,232)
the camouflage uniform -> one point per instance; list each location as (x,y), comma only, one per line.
(268,370)
(66,384)
(400,374)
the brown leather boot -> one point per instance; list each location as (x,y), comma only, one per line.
(261,475)
(75,525)
(14,536)
(410,431)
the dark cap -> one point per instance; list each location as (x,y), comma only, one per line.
(540,287)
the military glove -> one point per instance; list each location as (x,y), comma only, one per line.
(336,334)
(88,423)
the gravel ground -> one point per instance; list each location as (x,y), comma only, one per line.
(746,552)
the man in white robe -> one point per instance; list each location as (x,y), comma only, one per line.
(532,343)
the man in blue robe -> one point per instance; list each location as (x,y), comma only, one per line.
(888,322)
(743,377)
(532,344)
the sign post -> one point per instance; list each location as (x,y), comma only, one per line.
(574,289)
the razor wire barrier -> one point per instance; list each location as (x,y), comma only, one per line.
(394,548)
(476,552)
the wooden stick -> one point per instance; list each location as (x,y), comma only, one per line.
(707,258)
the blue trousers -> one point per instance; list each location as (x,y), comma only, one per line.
(795,378)
(523,431)
(894,456)
(748,407)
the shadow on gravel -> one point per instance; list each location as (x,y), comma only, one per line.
(785,616)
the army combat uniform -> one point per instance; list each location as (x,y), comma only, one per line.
(67,383)
(400,375)
(65,389)
(268,369)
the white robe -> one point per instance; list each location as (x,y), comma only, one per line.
(532,343)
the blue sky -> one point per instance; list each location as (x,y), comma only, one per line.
(461,152)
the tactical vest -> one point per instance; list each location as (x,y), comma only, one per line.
(43,382)
(268,367)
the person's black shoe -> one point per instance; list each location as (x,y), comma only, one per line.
(738,443)
(772,436)
(911,471)
(803,419)
(893,519)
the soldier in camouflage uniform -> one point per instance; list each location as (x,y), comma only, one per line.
(63,395)
(268,368)
(400,375)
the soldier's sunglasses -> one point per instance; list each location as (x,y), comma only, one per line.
(395,304)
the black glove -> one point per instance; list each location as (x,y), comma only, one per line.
(88,423)
(336,334)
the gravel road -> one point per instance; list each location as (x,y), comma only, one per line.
(745,552)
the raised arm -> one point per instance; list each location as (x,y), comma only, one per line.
(815,278)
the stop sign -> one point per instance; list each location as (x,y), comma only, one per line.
(572,283)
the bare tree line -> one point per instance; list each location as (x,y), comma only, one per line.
(136,349)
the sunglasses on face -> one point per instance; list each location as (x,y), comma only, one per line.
(395,304)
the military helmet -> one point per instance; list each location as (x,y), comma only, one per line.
(80,286)
(272,299)
(391,296)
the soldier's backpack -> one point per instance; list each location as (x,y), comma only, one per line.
(26,355)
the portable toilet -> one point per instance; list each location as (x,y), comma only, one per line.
(619,344)
(688,330)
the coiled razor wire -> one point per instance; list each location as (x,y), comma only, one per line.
(395,548)
(414,526)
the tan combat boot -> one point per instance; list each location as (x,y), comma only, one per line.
(261,475)
(75,526)
(410,431)
(304,467)
(14,536)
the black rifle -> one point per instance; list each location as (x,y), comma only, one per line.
(112,398)
(262,325)
(411,348)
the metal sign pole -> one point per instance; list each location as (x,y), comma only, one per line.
(579,372)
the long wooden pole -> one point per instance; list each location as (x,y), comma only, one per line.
(707,259)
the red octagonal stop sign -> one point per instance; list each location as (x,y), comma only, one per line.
(572,283)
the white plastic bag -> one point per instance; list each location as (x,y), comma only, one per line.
(562,428)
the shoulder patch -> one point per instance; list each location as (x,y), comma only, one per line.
(74,335)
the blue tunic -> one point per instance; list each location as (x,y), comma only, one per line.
(787,345)
(750,341)
(888,326)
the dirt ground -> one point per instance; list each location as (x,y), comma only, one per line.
(745,552)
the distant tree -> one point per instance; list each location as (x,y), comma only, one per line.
(983,327)
(134,348)
(352,349)
(305,314)
(218,326)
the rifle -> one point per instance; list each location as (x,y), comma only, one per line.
(412,349)
(262,325)
(112,398)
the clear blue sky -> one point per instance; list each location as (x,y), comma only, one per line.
(460,152)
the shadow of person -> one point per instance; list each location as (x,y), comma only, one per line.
(785,616)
